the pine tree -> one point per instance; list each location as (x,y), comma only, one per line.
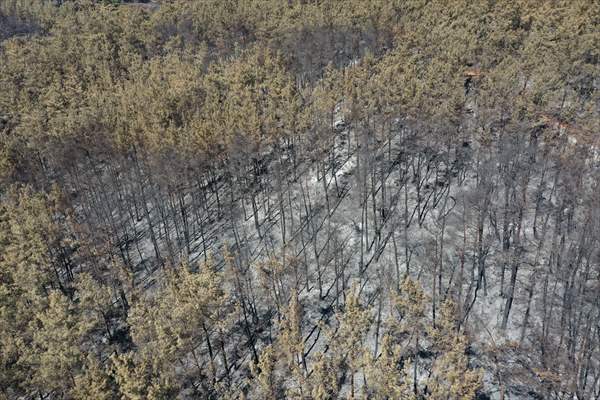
(139,378)
(269,384)
(96,299)
(281,370)
(57,355)
(348,343)
(324,378)
(291,341)
(174,324)
(407,324)
(452,377)
(34,261)
(95,382)
(347,354)
(389,375)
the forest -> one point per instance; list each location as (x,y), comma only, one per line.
(300,199)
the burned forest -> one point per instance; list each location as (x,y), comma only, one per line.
(300,199)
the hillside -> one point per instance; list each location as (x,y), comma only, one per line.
(302,199)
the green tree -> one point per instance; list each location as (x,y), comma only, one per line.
(452,377)
(57,353)
(175,324)
(36,260)
(389,374)
(347,354)
(95,382)
(138,377)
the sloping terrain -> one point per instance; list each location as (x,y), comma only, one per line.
(328,199)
